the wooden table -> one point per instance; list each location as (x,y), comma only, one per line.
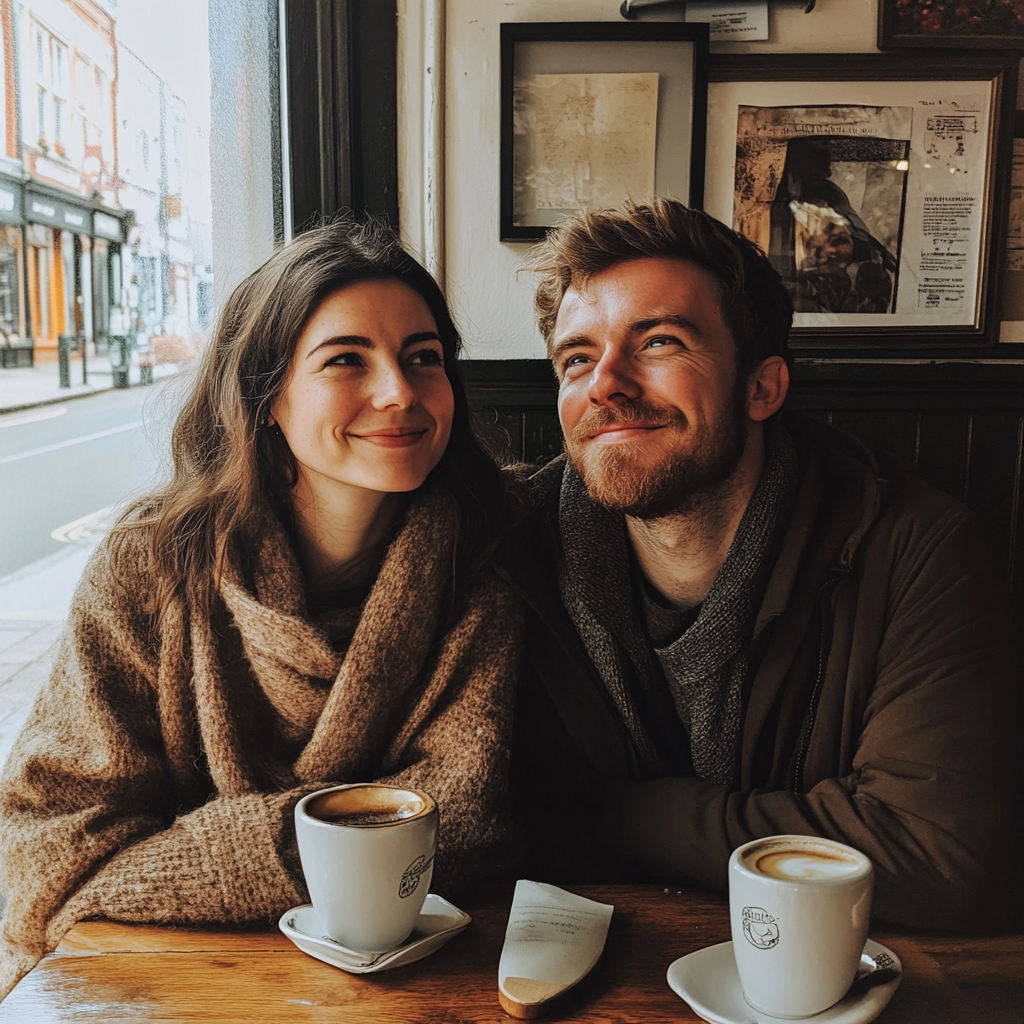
(110,972)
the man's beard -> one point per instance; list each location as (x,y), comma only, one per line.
(625,477)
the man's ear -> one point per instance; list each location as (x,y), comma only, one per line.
(766,388)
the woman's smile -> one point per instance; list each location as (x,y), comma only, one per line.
(367,404)
(391,437)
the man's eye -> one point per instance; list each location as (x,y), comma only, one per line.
(578,360)
(427,357)
(661,342)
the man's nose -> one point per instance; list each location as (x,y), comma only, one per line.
(613,380)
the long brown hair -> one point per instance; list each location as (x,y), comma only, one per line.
(229,467)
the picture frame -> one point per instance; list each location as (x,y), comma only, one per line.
(876,184)
(594,111)
(954,24)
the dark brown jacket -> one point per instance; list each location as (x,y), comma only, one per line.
(882,708)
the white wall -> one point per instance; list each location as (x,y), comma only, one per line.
(492,307)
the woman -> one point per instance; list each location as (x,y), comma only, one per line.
(307,602)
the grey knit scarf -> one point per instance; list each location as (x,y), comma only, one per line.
(704,668)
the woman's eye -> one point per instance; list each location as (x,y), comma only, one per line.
(346,359)
(427,357)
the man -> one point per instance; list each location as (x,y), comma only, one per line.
(742,623)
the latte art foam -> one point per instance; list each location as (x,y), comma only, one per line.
(804,865)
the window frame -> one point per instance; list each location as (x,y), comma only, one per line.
(341,83)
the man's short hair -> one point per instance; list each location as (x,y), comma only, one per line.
(755,305)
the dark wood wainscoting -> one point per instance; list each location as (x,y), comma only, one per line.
(961,422)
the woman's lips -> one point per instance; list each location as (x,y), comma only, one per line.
(393,437)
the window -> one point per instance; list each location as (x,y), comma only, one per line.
(40,54)
(60,66)
(58,117)
(41,113)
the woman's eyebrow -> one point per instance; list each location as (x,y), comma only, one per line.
(415,339)
(358,340)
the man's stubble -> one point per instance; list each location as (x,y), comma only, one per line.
(688,479)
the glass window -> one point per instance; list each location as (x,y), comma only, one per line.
(60,66)
(133,229)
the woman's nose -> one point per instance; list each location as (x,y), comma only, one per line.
(391,389)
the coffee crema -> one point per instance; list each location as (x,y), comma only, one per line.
(799,863)
(369,805)
(368,817)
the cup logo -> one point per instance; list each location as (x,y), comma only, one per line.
(760,928)
(411,876)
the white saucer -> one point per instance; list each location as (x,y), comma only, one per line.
(708,981)
(437,923)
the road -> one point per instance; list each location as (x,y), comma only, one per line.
(62,463)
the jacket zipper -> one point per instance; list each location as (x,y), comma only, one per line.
(824,645)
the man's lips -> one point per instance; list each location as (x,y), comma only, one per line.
(614,432)
(393,437)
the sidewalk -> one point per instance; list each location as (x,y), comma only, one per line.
(33,604)
(40,384)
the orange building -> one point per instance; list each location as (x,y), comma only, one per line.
(65,55)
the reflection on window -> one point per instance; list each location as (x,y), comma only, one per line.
(111,183)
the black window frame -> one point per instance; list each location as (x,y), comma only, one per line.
(342,108)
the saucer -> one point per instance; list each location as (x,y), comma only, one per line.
(708,981)
(439,920)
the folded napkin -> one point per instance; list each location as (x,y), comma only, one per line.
(553,940)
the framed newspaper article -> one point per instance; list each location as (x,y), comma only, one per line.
(593,112)
(876,184)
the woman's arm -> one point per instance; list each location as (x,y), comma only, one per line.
(91,823)
(456,741)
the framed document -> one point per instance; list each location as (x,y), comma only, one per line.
(876,184)
(594,112)
(977,24)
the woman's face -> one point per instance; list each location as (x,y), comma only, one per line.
(367,403)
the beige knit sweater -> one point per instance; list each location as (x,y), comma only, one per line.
(156,776)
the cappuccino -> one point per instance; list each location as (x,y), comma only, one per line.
(367,805)
(367,852)
(801,862)
(799,907)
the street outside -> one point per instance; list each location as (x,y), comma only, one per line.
(65,468)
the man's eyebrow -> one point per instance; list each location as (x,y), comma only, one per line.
(361,341)
(675,319)
(573,341)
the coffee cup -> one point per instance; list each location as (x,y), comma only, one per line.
(799,907)
(367,853)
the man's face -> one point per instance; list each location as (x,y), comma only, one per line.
(653,414)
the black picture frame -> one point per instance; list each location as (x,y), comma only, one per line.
(906,77)
(569,35)
(896,33)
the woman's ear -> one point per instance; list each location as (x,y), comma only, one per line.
(767,387)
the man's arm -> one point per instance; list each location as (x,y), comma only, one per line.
(933,796)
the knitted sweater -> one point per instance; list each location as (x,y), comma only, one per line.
(157,774)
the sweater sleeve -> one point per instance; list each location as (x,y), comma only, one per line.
(933,797)
(456,744)
(89,822)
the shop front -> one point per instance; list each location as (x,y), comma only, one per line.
(73,270)
(15,336)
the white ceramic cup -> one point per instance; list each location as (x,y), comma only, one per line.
(367,852)
(799,908)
